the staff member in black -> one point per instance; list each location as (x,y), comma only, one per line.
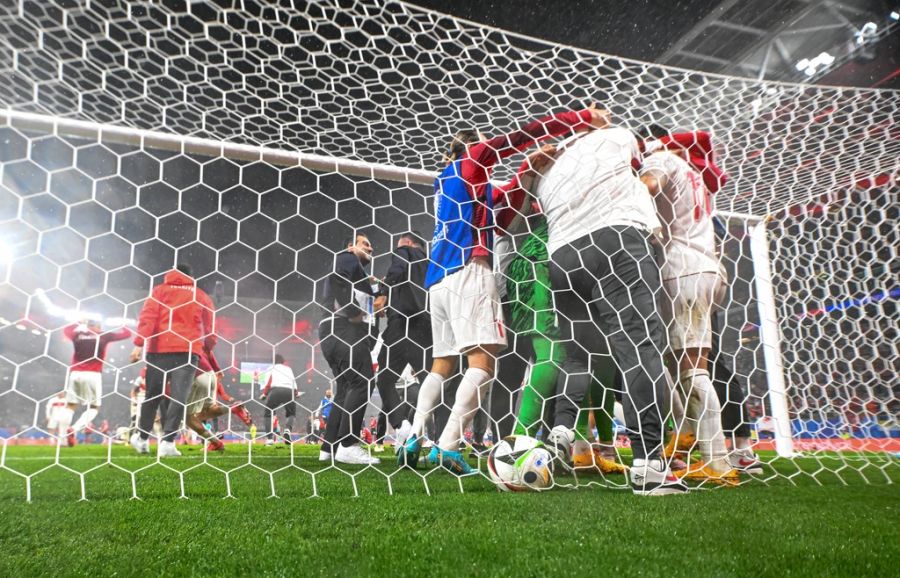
(407,337)
(347,347)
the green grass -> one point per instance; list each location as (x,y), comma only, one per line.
(801,519)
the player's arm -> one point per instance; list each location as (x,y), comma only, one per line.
(397,274)
(268,386)
(491,151)
(655,175)
(220,390)
(655,181)
(349,275)
(117,335)
(69,331)
(512,198)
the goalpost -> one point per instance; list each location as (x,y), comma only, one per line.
(251,137)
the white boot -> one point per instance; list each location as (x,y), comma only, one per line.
(139,445)
(355,455)
(167,450)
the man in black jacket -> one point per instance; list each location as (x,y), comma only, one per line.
(407,337)
(347,347)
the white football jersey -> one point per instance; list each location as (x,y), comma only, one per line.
(685,209)
(592,185)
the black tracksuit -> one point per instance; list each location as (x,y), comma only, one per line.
(407,337)
(347,347)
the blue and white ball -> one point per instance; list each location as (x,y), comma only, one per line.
(520,464)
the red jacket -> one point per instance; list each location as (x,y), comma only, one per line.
(176,318)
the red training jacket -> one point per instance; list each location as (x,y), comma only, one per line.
(177,318)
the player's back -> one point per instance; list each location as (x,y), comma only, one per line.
(685,208)
(592,185)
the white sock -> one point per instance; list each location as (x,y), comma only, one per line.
(65,420)
(682,426)
(741,443)
(475,383)
(704,410)
(429,397)
(85,418)
(402,433)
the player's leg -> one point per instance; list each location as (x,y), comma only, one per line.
(691,339)
(155,381)
(476,381)
(512,365)
(391,362)
(67,412)
(357,378)
(199,407)
(625,308)
(290,413)
(268,417)
(480,425)
(599,457)
(93,394)
(681,440)
(732,396)
(182,368)
(538,392)
(478,330)
(337,353)
(442,368)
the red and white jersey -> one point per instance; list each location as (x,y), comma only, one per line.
(90,346)
(54,404)
(592,185)
(685,209)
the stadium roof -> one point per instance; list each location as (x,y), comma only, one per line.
(750,38)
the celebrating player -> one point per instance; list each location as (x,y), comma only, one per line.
(279,393)
(53,413)
(606,282)
(466,317)
(682,177)
(85,383)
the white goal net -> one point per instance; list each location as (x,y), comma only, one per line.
(252,139)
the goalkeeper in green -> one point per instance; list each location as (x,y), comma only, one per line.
(523,229)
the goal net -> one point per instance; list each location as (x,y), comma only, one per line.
(251,139)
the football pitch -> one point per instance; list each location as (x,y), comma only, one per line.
(802,520)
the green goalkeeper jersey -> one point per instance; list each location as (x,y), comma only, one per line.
(528,284)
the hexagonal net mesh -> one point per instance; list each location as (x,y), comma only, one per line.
(256,141)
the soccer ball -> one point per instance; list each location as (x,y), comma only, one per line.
(520,464)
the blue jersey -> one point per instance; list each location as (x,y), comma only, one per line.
(455,232)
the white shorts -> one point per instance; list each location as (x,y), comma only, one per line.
(201,392)
(692,299)
(84,388)
(53,422)
(466,311)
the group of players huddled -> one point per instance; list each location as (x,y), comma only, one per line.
(591,277)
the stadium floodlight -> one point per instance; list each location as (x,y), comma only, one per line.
(895,15)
